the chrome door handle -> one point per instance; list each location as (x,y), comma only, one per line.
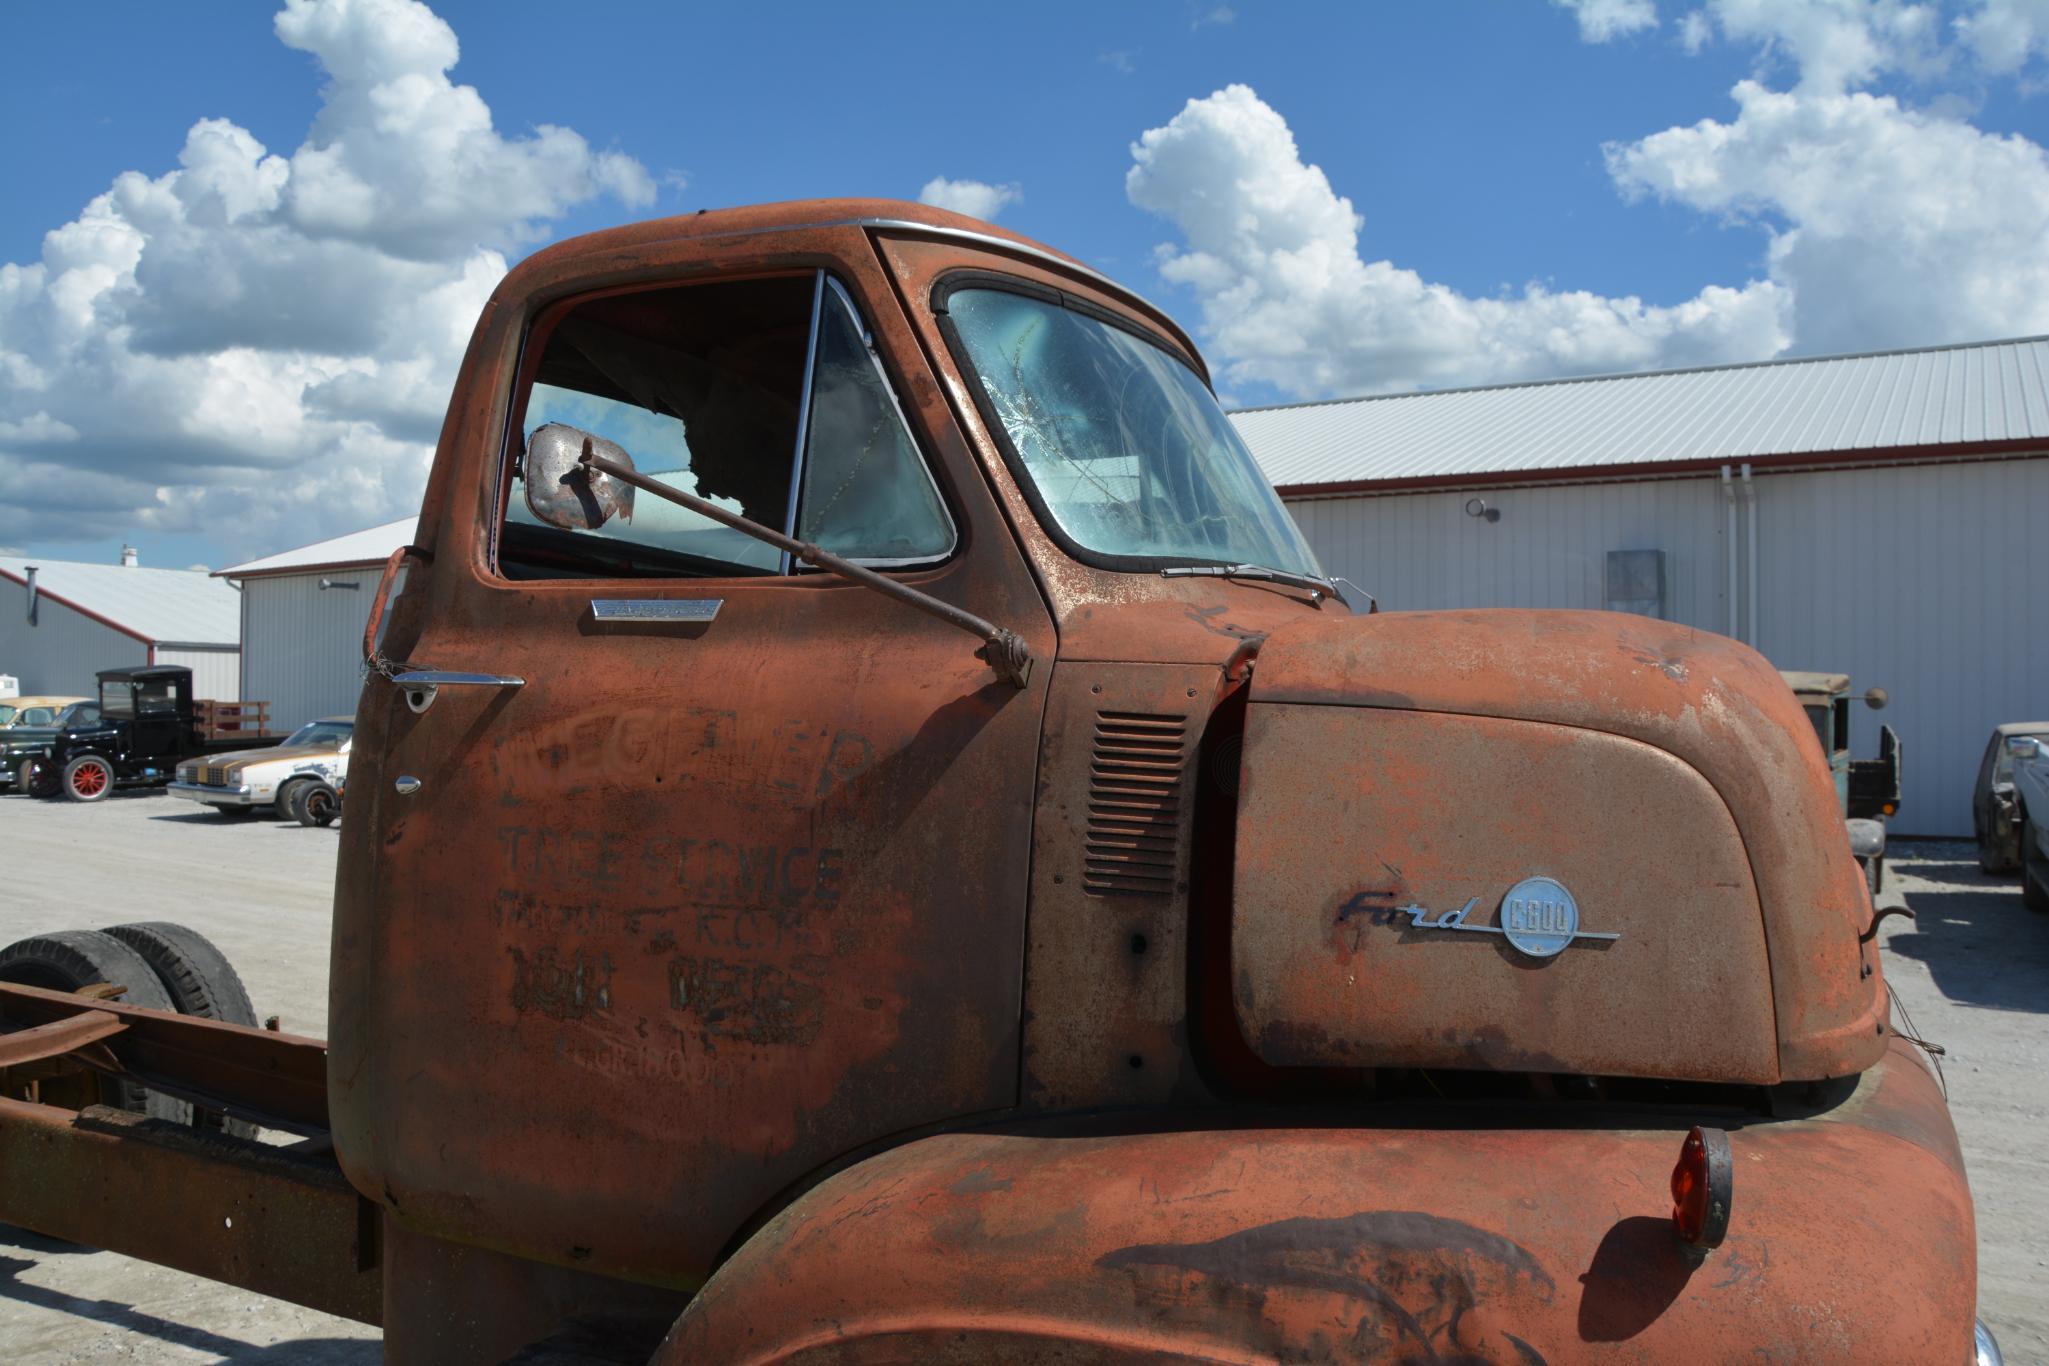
(421,686)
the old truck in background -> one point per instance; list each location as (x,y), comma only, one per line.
(870,838)
(1867,790)
(145,726)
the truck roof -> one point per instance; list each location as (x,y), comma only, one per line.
(143,674)
(1804,683)
(815,213)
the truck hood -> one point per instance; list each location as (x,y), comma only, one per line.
(1543,841)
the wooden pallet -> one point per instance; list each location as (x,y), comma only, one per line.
(231,720)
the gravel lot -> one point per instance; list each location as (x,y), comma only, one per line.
(1973,972)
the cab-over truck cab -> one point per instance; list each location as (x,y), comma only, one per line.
(1058,926)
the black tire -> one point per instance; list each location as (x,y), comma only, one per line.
(198,976)
(2034,871)
(39,778)
(88,778)
(70,959)
(200,981)
(288,798)
(317,804)
(1874,874)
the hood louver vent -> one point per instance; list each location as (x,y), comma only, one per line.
(1134,835)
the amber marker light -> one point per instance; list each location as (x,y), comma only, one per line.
(1700,1188)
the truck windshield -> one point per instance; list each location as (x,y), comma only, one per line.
(1119,443)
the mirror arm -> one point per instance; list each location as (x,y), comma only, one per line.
(1002,649)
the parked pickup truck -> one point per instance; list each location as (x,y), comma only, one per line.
(244,781)
(928,868)
(145,727)
(2031,802)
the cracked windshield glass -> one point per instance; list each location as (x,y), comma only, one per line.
(1128,449)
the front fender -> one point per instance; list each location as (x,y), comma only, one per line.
(1851,1239)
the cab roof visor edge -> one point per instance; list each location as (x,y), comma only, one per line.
(1002,649)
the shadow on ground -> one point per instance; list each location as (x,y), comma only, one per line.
(126,1317)
(1982,947)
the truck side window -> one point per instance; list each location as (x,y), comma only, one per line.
(702,384)
(764,396)
(866,493)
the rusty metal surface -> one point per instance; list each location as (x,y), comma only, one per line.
(57,1037)
(1708,701)
(1106,981)
(689,914)
(451,1305)
(1352,1244)
(1435,810)
(279,1077)
(230,1209)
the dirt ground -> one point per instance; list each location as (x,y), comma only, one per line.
(1973,972)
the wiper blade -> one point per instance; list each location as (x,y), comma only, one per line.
(1257,572)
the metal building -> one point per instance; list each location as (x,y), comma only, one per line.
(61,622)
(1877,515)
(303,613)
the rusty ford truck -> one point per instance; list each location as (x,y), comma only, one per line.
(871,838)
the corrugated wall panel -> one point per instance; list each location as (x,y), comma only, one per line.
(303,646)
(61,653)
(216,674)
(1928,581)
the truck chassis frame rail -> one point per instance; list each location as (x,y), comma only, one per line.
(281,1221)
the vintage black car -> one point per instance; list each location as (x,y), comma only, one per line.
(22,746)
(146,727)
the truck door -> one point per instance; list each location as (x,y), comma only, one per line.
(733,881)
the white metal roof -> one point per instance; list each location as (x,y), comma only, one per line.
(371,546)
(1942,396)
(164,606)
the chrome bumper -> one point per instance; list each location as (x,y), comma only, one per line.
(213,796)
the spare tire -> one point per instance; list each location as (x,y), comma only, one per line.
(197,975)
(200,981)
(70,959)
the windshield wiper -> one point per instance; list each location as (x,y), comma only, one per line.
(1322,588)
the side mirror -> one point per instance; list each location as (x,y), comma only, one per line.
(2023,746)
(1876,698)
(562,491)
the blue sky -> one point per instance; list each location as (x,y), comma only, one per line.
(1534,190)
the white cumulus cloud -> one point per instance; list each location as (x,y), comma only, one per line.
(1288,299)
(259,346)
(1602,21)
(975,198)
(2006,34)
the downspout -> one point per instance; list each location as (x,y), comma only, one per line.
(1729,543)
(1750,556)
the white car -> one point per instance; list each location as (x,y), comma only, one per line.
(2031,794)
(247,780)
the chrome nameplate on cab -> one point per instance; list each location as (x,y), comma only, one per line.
(656,609)
(1538,917)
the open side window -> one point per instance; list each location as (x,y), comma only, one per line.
(764,396)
